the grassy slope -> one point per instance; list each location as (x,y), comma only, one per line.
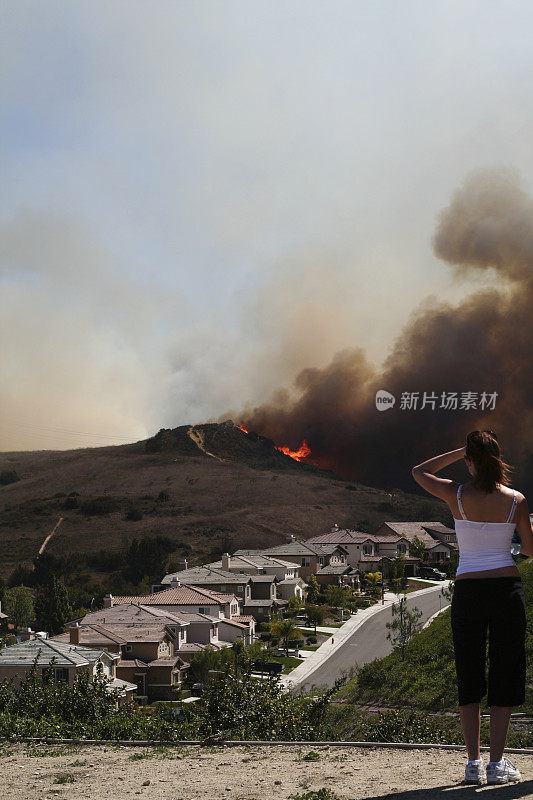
(253,496)
(426,679)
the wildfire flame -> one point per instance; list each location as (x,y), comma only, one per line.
(298,455)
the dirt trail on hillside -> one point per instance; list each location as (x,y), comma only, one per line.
(198,438)
(54,529)
(244,773)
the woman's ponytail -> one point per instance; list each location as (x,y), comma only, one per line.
(483,449)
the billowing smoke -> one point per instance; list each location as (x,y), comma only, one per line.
(482,345)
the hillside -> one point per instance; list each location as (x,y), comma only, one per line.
(414,682)
(209,488)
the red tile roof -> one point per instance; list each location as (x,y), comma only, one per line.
(178,596)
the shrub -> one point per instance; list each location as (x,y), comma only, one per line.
(8,476)
(163,496)
(311,640)
(98,505)
(71,502)
(140,699)
(134,515)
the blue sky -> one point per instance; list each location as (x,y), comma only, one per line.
(199,199)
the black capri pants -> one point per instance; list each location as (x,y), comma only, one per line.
(496,606)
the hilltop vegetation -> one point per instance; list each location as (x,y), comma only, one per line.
(207,490)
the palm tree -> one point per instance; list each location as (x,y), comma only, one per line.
(286,630)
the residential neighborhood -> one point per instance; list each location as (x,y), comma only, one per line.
(145,643)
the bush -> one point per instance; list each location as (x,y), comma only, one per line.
(134,515)
(311,640)
(8,476)
(98,505)
(71,502)
(163,496)
(140,699)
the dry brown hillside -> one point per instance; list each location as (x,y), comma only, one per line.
(226,489)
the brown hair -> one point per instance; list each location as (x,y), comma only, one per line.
(483,449)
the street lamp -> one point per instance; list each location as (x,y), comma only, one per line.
(382,583)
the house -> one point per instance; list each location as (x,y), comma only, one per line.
(146,654)
(291,587)
(338,575)
(185,599)
(257,564)
(366,551)
(308,556)
(186,627)
(264,610)
(206,577)
(62,661)
(439,541)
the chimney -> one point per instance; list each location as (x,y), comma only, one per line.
(108,600)
(26,634)
(174,583)
(335,528)
(226,562)
(290,538)
(75,633)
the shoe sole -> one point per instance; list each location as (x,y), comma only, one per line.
(504,780)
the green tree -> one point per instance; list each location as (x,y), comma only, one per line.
(336,596)
(286,631)
(417,548)
(147,558)
(400,570)
(405,623)
(315,615)
(52,608)
(19,606)
(294,606)
(313,589)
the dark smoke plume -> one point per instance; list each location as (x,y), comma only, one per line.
(484,344)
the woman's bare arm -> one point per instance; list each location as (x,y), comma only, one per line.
(523,526)
(424,473)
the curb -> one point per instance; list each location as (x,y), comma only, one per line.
(295,678)
(254,742)
(436,614)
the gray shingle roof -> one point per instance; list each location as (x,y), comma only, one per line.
(46,650)
(206,574)
(137,613)
(336,569)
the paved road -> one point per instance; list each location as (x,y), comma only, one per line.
(369,641)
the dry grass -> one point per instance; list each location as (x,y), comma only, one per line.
(253,497)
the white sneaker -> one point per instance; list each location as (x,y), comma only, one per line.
(475,772)
(504,772)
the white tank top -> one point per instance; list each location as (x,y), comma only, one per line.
(483,545)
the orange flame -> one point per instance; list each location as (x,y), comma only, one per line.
(298,455)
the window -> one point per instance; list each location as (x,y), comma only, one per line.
(202,610)
(60,674)
(127,648)
(367,549)
(306,561)
(240,588)
(402,548)
(321,560)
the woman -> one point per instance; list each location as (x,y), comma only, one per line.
(488,594)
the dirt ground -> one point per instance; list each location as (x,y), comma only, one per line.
(47,772)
